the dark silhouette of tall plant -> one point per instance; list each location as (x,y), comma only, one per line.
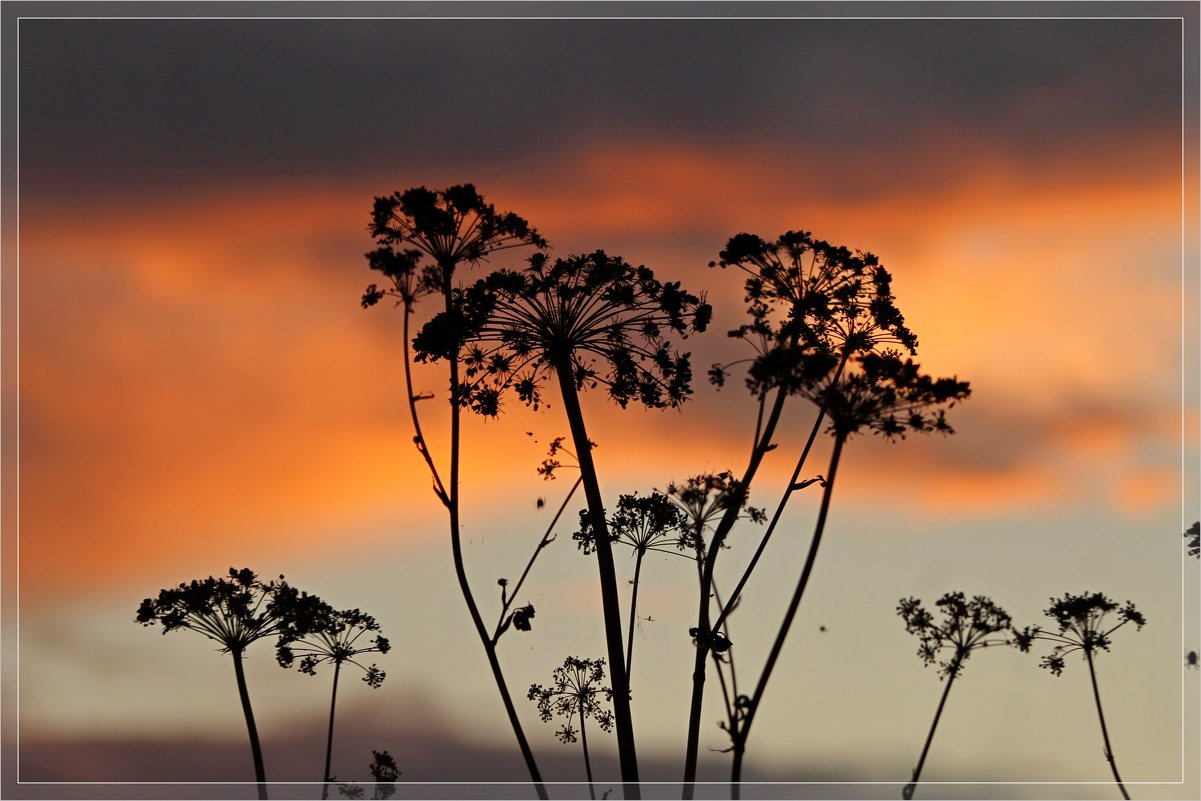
(1085,625)
(966,626)
(329,636)
(575,693)
(234,611)
(451,228)
(816,312)
(649,523)
(580,322)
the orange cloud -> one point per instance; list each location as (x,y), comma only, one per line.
(195,372)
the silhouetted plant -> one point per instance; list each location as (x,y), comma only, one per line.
(384,774)
(450,227)
(583,321)
(234,611)
(1192,538)
(966,626)
(650,523)
(823,325)
(575,693)
(337,638)
(1085,625)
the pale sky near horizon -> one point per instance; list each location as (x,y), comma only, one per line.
(199,387)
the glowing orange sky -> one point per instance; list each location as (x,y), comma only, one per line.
(195,371)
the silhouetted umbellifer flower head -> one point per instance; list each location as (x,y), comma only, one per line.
(594,315)
(966,626)
(326,635)
(575,692)
(650,523)
(704,500)
(1084,624)
(1192,538)
(810,304)
(234,610)
(888,395)
(384,772)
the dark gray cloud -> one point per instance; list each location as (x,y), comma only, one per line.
(140,104)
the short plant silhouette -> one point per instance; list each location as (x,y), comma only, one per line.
(452,228)
(384,774)
(336,638)
(648,523)
(234,611)
(1085,624)
(966,626)
(582,321)
(575,694)
(1192,539)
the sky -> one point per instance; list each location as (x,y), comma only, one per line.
(190,382)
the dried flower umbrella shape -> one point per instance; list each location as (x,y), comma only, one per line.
(233,611)
(337,638)
(650,523)
(966,626)
(575,694)
(451,228)
(813,307)
(582,321)
(1085,624)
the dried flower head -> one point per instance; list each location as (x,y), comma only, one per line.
(451,226)
(704,500)
(575,693)
(809,303)
(593,317)
(966,626)
(650,523)
(888,395)
(333,637)
(234,610)
(1084,624)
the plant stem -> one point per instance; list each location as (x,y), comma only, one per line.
(587,762)
(917,772)
(608,581)
(329,740)
(802,583)
(450,498)
(1113,765)
(700,664)
(256,750)
(771,527)
(633,614)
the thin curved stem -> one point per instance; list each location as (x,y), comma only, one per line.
(763,444)
(771,527)
(1113,765)
(793,604)
(907,793)
(450,498)
(256,749)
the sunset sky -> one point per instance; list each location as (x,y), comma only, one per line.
(198,386)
